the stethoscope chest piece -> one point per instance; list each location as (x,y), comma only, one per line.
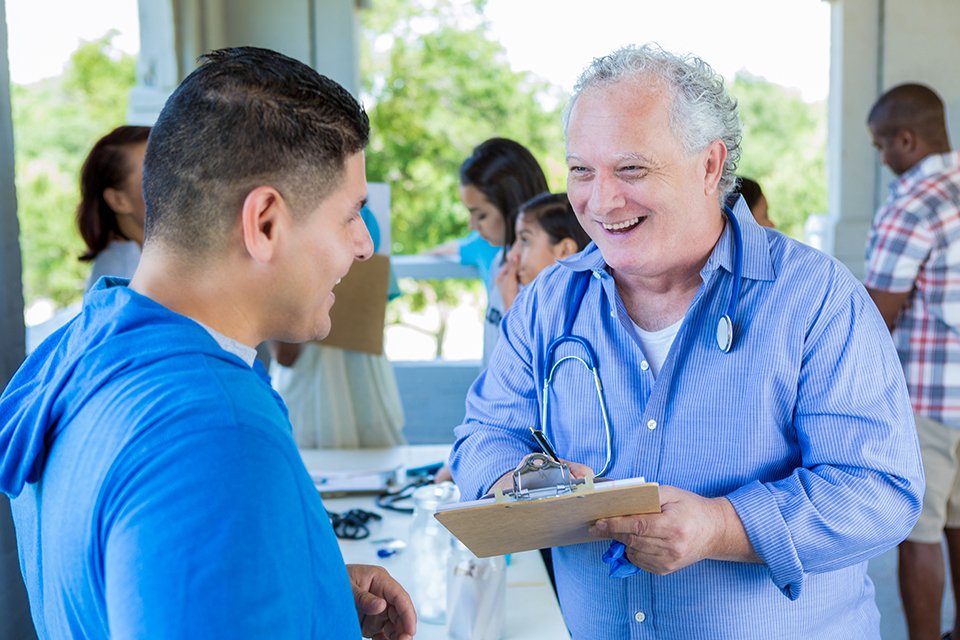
(725,333)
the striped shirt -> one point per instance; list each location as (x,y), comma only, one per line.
(914,245)
(805,426)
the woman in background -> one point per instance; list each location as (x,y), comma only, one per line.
(111,211)
(495,180)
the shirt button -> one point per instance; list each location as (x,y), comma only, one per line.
(639,616)
(651,424)
(613,314)
(644,365)
(596,274)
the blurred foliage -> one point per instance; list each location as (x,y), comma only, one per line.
(436,85)
(55,123)
(784,149)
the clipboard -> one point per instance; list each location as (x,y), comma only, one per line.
(546,509)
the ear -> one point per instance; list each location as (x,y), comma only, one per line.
(715,155)
(907,140)
(263,218)
(117,200)
(565,248)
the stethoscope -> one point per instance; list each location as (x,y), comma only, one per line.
(589,357)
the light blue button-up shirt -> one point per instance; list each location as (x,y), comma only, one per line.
(805,426)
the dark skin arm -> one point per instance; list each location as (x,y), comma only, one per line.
(889,304)
(286,353)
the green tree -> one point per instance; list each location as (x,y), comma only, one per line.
(55,123)
(784,149)
(436,85)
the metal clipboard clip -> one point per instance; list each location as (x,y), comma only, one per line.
(538,477)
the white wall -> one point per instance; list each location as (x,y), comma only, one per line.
(876,44)
(321,33)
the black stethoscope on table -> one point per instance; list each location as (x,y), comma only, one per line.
(589,357)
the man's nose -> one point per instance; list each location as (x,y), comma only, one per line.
(605,195)
(363,244)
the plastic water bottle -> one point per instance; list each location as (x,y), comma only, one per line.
(476,595)
(430,547)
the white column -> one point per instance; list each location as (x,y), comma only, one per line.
(321,33)
(852,163)
(15,621)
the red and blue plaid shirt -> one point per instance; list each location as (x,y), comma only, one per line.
(914,245)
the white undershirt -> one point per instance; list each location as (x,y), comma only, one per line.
(656,344)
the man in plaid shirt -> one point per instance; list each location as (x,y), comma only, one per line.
(913,275)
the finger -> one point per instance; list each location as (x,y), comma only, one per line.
(624,526)
(370,604)
(577,470)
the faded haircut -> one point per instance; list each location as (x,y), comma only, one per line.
(245,117)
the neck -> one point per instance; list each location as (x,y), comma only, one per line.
(657,301)
(200,290)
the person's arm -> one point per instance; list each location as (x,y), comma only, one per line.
(449,248)
(508,281)
(501,406)
(890,304)
(858,485)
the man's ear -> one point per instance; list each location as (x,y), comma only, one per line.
(565,248)
(263,218)
(714,158)
(117,200)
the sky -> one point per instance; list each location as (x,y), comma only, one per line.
(784,41)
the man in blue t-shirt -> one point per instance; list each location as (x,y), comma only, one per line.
(157,490)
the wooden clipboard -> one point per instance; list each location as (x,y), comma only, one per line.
(494,528)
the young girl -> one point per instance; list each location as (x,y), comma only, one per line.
(547,230)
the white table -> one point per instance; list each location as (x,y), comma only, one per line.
(532,611)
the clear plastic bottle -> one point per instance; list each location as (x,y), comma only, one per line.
(430,547)
(476,595)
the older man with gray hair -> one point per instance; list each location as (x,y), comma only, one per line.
(748,374)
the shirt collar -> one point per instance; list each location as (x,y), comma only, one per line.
(757,264)
(933,164)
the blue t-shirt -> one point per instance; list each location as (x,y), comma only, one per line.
(476,251)
(157,491)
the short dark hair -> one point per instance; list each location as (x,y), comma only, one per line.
(107,166)
(910,106)
(508,175)
(556,217)
(749,189)
(245,117)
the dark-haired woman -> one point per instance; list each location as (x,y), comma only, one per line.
(495,180)
(111,211)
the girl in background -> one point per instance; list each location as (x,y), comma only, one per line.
(111,210)
(547,230)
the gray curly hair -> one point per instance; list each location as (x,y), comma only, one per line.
(702,111)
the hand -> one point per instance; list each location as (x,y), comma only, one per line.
(385,610)
(444,474)
(688,529)
(577,471)
(508,281)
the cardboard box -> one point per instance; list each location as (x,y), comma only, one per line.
(359,313)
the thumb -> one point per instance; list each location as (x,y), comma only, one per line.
(369,604)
